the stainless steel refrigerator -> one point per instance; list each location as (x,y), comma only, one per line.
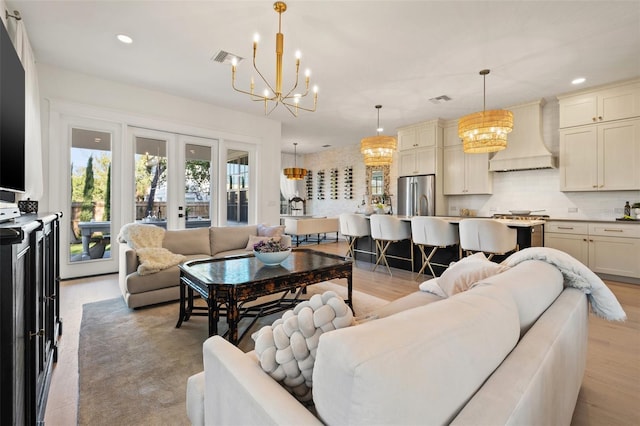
(416,195)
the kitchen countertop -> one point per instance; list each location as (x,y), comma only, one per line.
(509,222)
(525,223)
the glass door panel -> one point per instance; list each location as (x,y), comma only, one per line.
(151,189)
(237,187)
(90,177)
(197,184)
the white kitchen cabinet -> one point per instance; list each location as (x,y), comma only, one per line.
(569,237)
(609,103)
(418,161)
(463,174)
(466,174)
(603,157)
(420,147)
(607,248)
(420,135)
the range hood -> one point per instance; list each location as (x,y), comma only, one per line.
(525,147)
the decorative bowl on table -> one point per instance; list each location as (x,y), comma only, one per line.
(271,252)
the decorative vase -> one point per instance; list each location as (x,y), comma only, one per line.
(272,258)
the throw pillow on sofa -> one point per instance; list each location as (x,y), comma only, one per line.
(255,239)
(270,231)
(461,275)
(287,348)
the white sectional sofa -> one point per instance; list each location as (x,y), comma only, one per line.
(509,351)
(217,242)
(304,229)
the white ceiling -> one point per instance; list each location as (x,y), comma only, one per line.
(361,53)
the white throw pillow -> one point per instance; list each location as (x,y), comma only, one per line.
(255,239)
(461,275)
(270,231)
(287,348)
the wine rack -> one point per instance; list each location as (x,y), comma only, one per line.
(334,184)
(348,183)
(309,183)
(320,185)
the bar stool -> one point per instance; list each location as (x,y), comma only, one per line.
(429,231)
(386,230)
(488,236)
(354,226)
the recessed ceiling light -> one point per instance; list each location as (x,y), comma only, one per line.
(124,38)
(578,80)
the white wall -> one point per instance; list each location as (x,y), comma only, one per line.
(340,158)
(171,113)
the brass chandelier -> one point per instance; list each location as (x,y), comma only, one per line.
(378,150)
(274,93)
(295,173)
(485,131)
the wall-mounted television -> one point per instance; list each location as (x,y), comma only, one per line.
(12,116)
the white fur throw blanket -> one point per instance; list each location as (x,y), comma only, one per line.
(146,240)
(603,302)
(287,348)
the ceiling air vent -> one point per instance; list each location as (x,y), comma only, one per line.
(225,57)
(440,99)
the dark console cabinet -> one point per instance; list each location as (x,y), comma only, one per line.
(30,321)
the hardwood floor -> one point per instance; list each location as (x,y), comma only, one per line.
(610,393)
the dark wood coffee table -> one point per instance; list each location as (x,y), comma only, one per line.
(227,284)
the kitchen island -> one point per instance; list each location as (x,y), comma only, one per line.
(530,234)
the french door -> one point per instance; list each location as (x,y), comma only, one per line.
(174,179)
(85,187)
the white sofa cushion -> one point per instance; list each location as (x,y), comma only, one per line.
(187,241)
(533,284)
(225,238)
(375,374)
(461,275)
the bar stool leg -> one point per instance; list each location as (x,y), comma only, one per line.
(383,250)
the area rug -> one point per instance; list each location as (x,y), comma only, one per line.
(134,364)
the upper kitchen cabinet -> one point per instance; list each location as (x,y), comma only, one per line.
(420,135)
(602,157)
(608,103)
(463,174)
(420,147)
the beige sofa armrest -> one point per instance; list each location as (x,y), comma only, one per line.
(128,259)
(238,391)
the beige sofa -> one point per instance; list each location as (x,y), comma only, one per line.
(305,229)
(509,351)
(217,242)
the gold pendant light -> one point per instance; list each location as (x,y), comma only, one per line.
(378,150)
(291,99)
(485,131)
(295,173)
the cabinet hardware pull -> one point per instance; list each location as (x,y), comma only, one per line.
(565,227)
(584,239)
(613,230)
(594,186)
(39,333)
(593,119)
(600,117)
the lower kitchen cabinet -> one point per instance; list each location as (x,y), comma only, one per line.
(606,248)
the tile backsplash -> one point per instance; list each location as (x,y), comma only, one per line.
(539,189)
